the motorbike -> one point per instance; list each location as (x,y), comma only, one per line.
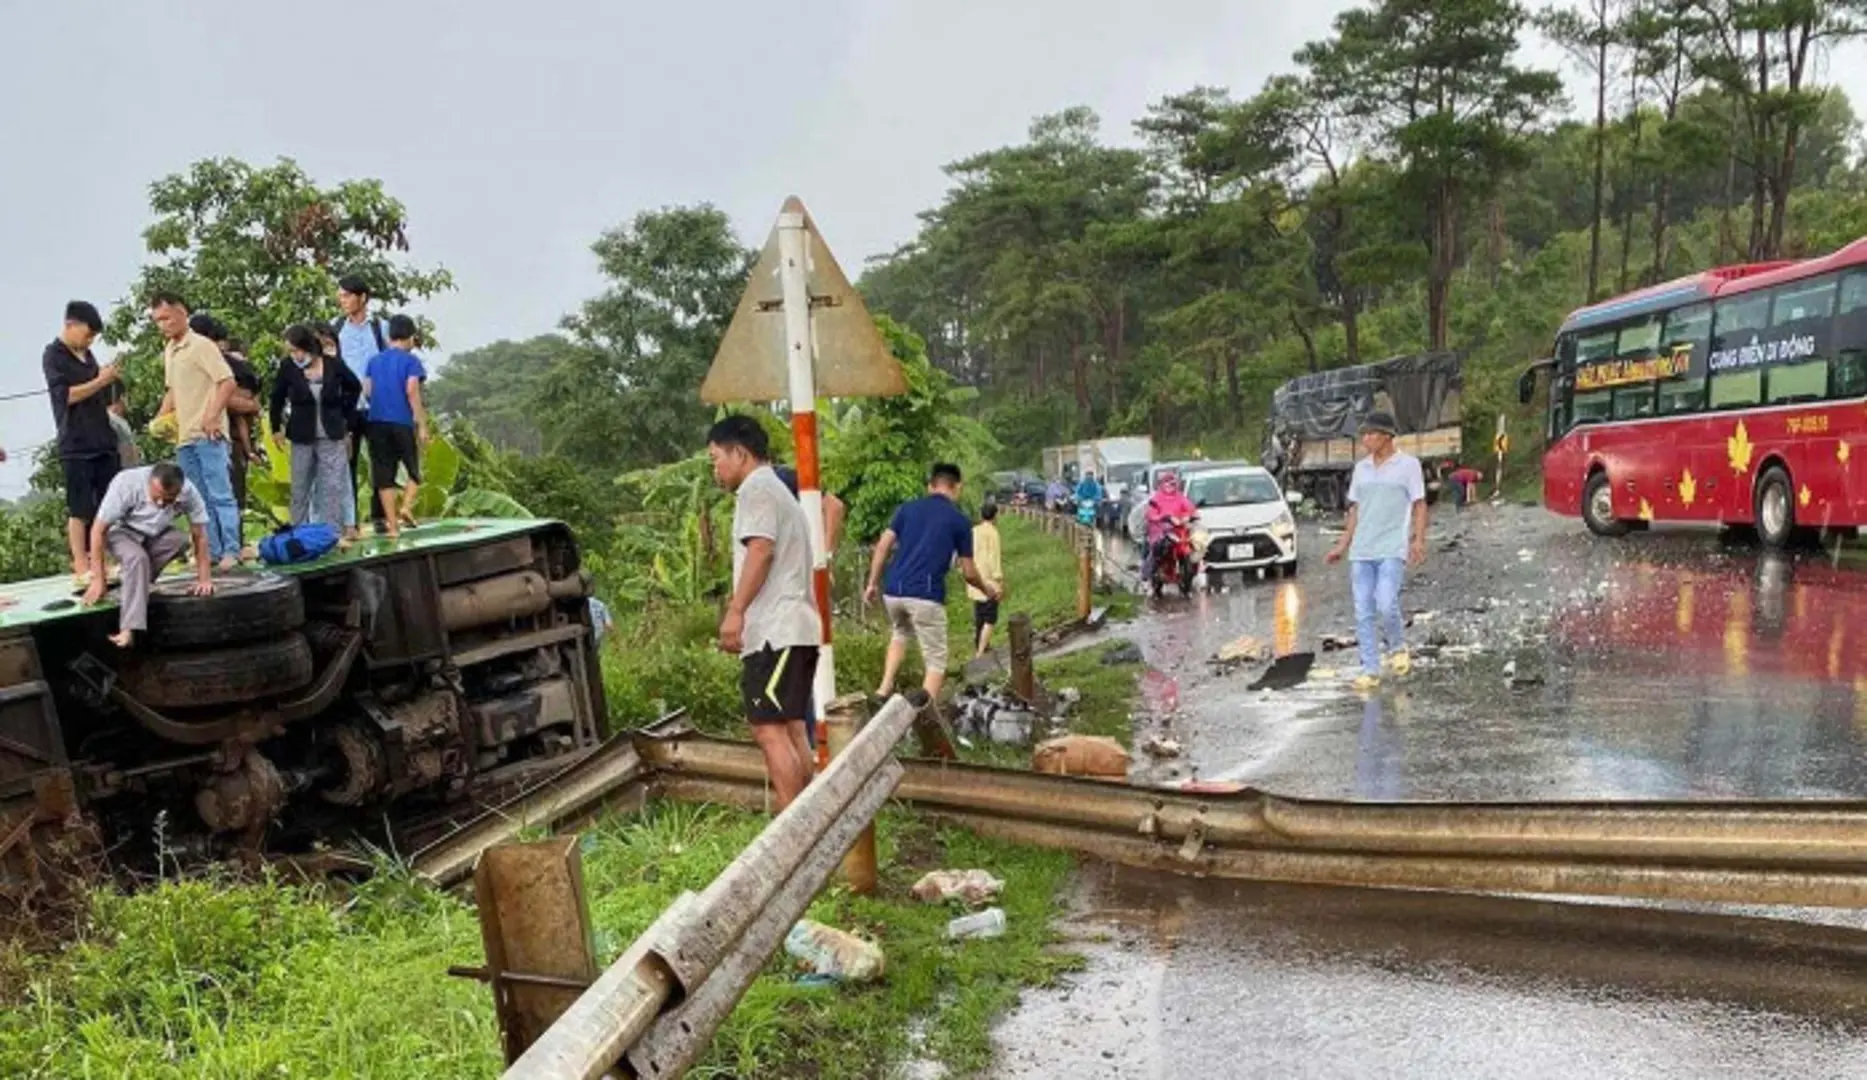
(1085,511)
(1175,562)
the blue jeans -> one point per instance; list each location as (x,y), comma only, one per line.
(208,464)
(1377,607)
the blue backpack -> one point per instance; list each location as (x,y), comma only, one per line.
(300,543)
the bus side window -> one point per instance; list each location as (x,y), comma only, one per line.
(1592,408)
(1800,312)
(1736,389)
(1685,394)
(1633,402)
(1688,327)
(1849,375)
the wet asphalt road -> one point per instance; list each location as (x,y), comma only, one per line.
(1558,666)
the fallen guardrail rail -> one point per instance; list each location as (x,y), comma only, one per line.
(1785,853)
(657,1006)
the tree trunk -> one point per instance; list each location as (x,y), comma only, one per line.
(1309,341)
(1494,238)
(1759,145)
(1232,395)
(1079,367)
(1662,207)
(1633,177)
(1351,323)
(1727,226)
(1441,264)
(1601,165)
(1792,132)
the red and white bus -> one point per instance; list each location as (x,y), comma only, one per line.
(1736,396)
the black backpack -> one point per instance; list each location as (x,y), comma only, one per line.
(337,327)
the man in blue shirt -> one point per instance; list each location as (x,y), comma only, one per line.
(931,532)
(1386,530)
(398,426)
(360,336)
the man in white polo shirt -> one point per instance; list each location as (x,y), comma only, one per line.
(1386,530)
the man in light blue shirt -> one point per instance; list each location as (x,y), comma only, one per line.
(1386,530)
(360,336)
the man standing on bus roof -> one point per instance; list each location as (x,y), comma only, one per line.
(1386,530)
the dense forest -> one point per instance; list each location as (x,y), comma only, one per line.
(1413,183)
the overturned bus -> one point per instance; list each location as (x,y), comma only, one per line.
(393,680)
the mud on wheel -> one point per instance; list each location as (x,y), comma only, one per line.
(207,677)
(245,606)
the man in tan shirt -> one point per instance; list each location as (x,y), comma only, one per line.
(199,385)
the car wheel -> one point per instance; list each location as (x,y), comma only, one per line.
(245,607)
(1775,507)
(208,677)
(1598,507)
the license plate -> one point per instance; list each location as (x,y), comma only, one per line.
(1244,551)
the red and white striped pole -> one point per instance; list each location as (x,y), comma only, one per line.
(800,360)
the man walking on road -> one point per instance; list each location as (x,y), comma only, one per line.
(1386,530)
(136,522)
(200,383)
(87,444)
(771,622)
(931,532)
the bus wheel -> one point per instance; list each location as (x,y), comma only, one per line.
(1598,507)
(1775,509)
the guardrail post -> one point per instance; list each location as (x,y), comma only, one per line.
(1023,674)
(1085,574)
(859,868)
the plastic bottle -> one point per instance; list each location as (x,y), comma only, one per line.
(989,923)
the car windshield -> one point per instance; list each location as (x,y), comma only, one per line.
(1234,489)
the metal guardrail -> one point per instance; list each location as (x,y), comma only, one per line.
(1812,854)
(693,964)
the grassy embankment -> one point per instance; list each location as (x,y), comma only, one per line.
(227,978)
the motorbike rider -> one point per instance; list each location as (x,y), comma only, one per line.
(1089,489)
(1164,506)
(1056,495)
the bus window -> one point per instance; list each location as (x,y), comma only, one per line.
(1850,339)
(1682,395)
(1734,389)
(1639,340)
(1803,302)
(1798,382)
(1689,325)
(1633,402)
(1592,408)
(1740,314)
(1596,346)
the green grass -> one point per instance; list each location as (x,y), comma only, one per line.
(229,979)
(665,656)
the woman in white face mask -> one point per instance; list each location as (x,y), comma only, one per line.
(321,394)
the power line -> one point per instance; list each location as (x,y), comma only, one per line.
(23,394)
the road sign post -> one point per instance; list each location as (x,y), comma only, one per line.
(823,343)
(1500,445)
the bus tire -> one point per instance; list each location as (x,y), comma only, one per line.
(1598,507)
(1774,507)
(245,606)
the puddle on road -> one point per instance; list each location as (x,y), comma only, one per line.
(1659,666)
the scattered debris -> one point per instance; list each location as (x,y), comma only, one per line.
(833,953)
(996,715)
(1068,698)
(972,887)
(1525,555)
(989,923)
(1122,652)
(1243,649)
(1335,642)
(1286,672)
(1161,748)
(1082,755)
(1097,616)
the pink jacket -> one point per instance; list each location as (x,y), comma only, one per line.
(1162,507)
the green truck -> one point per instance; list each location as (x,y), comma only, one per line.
(409,680)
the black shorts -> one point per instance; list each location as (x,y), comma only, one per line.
(984,614)
(86,480)
(392,445)
(776,683)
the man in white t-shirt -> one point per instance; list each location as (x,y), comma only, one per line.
(136,523)
(771,622)
(1386,530)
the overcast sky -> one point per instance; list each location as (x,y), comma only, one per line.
(515,133)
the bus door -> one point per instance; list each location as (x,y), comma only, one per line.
(1690,485)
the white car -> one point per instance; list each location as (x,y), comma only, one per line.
(1244,520)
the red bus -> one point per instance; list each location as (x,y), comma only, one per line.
(1736,396)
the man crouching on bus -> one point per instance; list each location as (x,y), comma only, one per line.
(135,523)
(771,621)
(1386,530)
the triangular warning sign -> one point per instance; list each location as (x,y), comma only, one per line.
(852,359)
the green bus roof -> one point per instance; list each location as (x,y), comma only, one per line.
(41,600)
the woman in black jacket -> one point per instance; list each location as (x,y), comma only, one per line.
(322,393)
